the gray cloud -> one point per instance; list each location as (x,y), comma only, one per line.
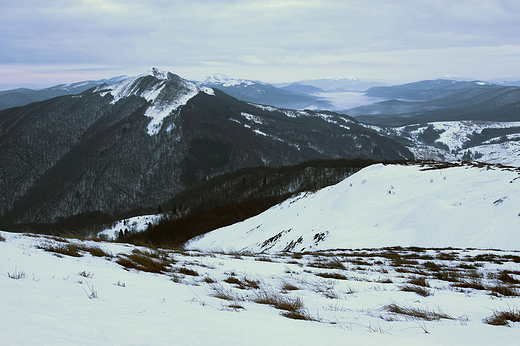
(271,40)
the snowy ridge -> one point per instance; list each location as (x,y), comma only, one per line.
(225,81)
(455,139)
(158,94)
(388,205)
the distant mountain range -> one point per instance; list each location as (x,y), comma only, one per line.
(291,97)
(341,84)
(440,100)
(138,142)
(24,96)
(134,143)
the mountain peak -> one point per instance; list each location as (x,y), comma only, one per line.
(159,74)
(166,93)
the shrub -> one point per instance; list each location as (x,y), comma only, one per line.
(298,315)
(474,284)
(447,275)
(2,238)
(209,280)
(432,266)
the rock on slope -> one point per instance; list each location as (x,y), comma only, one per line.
(458,205)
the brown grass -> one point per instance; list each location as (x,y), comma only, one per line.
(67,249)
(423,314)
(422,291)
(149,261)
(502,318)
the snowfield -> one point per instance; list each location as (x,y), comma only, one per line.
(393,255)
(69,292)
(462,205)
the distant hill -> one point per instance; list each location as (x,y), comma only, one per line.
(266,94)
(440,100)
(24,96)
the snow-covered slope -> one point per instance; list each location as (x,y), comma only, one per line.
(162,98)
(57,291)
(486,141)
(389,205)
(134,225)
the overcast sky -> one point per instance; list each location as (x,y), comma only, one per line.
(58,41)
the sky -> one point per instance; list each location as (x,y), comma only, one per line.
(62,41)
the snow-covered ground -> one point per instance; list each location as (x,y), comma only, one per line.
(455,136)
(369,297)
(464,205)
(134,224)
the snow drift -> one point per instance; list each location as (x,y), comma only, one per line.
(458,205)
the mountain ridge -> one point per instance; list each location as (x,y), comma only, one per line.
(65,155)
(425,205)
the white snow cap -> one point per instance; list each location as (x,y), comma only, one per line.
(219,78)
(162,103)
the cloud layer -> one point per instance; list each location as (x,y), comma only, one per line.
(273,40)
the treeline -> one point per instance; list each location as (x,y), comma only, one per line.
(216,202)
(175,232)
(260,182)
(236,196)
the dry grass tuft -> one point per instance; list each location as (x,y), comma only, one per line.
(67,249)
(279,301)
(149,261)
(502,318)
(423,314)
(17,275)
(503,291)
(333,263)
(186,271)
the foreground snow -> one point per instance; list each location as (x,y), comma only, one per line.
(389,205)
(54,299)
